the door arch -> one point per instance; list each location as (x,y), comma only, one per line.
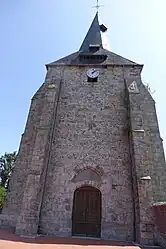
(86,215)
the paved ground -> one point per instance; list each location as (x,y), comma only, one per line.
(9,240)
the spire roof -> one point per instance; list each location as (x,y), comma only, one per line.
(94,50)
(94,36)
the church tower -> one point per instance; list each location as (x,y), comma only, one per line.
(91,160)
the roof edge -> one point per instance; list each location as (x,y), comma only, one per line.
(98,65)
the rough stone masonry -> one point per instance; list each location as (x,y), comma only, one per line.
(100,133)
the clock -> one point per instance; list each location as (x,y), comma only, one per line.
(92,73)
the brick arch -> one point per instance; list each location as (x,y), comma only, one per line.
(98,170)
(87,174)
(88,183)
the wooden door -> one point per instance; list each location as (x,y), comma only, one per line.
(86,217)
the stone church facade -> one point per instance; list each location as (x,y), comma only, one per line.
(91,160)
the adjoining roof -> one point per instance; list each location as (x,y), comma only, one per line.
(94,45)
(112,59)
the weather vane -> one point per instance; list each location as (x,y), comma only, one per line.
(98,6)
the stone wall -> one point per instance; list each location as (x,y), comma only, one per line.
(90,135)
(160,222)
(20,173)
(141,161)
(147,155)
(22,207)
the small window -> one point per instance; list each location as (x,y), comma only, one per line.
(92,79)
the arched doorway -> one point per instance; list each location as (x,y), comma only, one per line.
(86,216)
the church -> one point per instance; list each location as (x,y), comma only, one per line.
(91,160)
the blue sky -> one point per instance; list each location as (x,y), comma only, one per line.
(35,32)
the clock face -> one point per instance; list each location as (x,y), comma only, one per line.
(92,73)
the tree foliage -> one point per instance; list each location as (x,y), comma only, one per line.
(3,193)
(6,166)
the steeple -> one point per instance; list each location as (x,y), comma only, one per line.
(94,49)
(94,39)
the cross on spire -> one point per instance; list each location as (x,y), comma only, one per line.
(98,6)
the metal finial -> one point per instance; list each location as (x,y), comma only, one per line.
(98,6)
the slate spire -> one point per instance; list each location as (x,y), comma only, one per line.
(95,49)
(94,36)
